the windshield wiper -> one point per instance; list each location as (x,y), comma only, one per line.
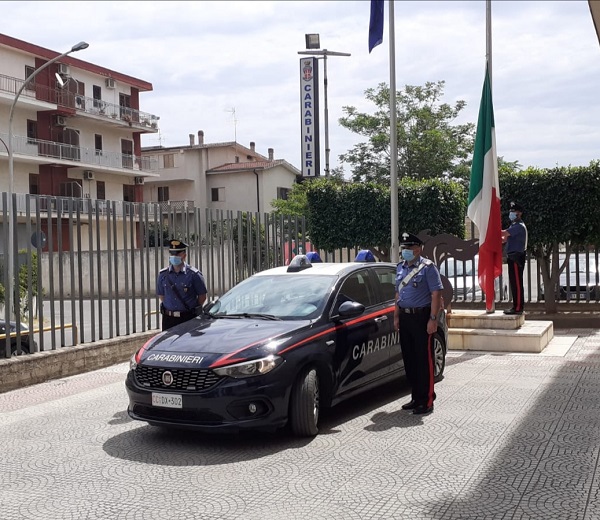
(250,315)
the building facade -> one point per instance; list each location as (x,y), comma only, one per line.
(76,132)
(226,176)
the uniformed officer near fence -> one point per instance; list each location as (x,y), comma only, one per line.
(180,287)
(515,238)
(418,302)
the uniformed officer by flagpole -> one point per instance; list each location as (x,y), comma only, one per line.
(418,302)
(515,238)
(180,287)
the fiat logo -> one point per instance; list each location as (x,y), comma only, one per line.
(167,378)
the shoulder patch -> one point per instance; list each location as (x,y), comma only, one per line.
(164,270)
(426,261)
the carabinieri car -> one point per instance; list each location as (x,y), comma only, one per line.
(275,349)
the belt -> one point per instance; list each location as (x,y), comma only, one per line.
(414,310)
(178,314)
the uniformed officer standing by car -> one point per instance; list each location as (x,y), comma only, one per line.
(515,238)
(418,302)
(180,287)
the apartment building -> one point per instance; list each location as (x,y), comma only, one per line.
(226,176)
(76,133)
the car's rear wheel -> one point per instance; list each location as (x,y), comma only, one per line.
(304,404)
(439,356)
(24,349)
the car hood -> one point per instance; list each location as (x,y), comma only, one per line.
(205,342)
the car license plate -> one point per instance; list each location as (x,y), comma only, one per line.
(167,400)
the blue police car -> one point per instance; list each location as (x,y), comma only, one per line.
(275,350)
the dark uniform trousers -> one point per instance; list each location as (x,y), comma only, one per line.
(516,264)
(171,321)
(417,351)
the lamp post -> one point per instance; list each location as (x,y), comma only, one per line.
(312,42)
(10,293)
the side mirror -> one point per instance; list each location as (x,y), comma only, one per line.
(350,309)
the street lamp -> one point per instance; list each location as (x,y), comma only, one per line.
(313,42)
(10,293)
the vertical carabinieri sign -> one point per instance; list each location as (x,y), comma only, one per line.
(309,116)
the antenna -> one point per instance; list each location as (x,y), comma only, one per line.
(235,120)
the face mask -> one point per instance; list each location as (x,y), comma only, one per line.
(512,215)
(408,254)
(175,260)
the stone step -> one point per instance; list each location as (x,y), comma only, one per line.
(479,319)
(532,336)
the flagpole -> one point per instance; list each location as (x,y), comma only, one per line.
(394,254)
(488,55)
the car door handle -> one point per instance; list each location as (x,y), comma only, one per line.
(330,343)
(380,319)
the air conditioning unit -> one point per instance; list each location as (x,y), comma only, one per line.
(110,83)
(60,121)
(63,69)
(88,175)
(139,180)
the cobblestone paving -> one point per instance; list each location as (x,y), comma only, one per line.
(512,437)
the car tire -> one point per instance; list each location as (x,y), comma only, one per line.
(304,404)
(24,349)
(439,356)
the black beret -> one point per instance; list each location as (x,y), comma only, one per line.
(515,206)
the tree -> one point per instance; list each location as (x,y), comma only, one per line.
(561,213)
(359,214)
(429,144)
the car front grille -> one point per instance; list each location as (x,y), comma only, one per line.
(184,380)
(150,413)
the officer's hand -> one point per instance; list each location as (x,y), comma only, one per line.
(431,327)
(396,323)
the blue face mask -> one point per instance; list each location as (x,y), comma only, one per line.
(408,255)
(175,260)
(512,216)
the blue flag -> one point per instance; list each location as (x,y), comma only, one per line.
(376,24)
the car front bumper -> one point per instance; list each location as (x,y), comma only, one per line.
(230,405)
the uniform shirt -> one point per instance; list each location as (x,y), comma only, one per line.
(189,282)
(516,242)
(418,291)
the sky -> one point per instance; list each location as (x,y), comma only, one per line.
(232,69)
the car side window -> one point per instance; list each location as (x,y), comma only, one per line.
(387,284)
(355,288)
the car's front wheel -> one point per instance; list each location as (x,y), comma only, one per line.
(439,356)
(304,404)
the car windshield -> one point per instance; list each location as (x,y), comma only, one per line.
(282,296)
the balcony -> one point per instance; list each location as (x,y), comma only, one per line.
(81,104)
(46,152)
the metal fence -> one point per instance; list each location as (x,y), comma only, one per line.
(86,269)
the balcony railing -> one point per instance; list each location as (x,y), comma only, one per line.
(69,206)
(85,157)
(80,103)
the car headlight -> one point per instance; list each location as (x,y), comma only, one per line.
(252,368)
(132,363)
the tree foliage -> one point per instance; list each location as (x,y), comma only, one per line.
(430,144)
(561,213)
(359,214)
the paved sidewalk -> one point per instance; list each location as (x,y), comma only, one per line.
(513,436)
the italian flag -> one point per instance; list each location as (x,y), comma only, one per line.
(484,197)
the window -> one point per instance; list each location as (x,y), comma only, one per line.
(283,193)
(31,131)
(71,189)
(127,153)
(28,72)
(34,184)
(169,160)
(100,190)
(217,194)
(128,193)
(163,194)
(98,144)
(97,95)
